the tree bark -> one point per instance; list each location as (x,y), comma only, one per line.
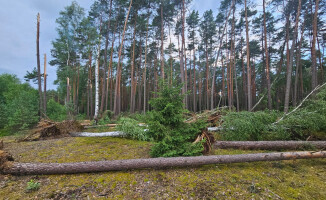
(44,104)
(289,67)
(269,145)
(313,49)
(162,42)
(15,168)
(38,64)
(132,91)
(248,61)
(297,67)
(269,96)
(145,64)
(117,97)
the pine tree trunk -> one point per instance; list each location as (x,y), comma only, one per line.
(289,67)
(162,42)
(314,82)
(270,145)
(295,97)
(15,168)
(269,95)
(44,102)
(39,65)
(248,61)
(106,80)
(117,97)
(145,64)
(132,91)
(194,84)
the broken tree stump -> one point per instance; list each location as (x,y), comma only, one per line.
(270,145)
(15,168)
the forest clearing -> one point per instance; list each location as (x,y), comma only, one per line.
(167,99)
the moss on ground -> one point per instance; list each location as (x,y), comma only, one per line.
(298,179)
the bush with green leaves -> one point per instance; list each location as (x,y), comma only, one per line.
(55,111)
(308,120)
(172,136)
(18,104)
(252,126)
(133,130)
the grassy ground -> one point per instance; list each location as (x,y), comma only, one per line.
(299,179)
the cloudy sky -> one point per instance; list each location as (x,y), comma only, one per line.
(18,32)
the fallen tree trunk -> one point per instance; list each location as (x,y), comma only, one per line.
(117,165)
(103,134)
(97,126)
(270,145)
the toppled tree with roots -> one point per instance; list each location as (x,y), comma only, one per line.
(49,129)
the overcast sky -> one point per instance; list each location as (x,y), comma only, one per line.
(18,32)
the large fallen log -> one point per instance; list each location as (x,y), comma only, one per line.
(270,145)
(15,168)
(102,134)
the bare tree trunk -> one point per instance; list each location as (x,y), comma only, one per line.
(194,84)
(68,95)
(248,61)
(145,64)
(97,67)
(44,104)
(132,91)
(106,80)
(10,167)
(162,42)
(289,67)
(269,95)
(39,65)
(270,145)
(117,97)
(313,48)
(182,64)
(297,67)
(110,71)
(219,50)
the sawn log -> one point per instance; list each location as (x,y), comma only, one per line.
(270,145)
(15,168)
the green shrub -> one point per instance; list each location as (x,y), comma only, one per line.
(32,185)
(252,126)
(172,135)
(308,120)
(133,130)
(18,104)
(55,111)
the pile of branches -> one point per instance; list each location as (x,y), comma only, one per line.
(212,117)
(48,129)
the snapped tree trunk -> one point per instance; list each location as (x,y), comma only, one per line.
(44,79)
(269,145)
(38,64)
(15,168)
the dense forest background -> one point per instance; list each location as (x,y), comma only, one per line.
(245,55)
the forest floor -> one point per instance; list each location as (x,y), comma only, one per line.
(296,179)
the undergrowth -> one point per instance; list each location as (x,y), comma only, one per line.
(307,121)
